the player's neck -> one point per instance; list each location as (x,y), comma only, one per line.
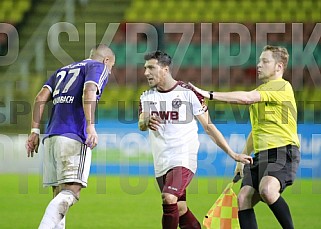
(274,77)
(168,84)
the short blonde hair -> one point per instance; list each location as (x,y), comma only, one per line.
(280,54)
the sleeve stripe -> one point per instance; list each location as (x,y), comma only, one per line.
(103,77)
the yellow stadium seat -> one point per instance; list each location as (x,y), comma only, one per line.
(15,16)
(178,16)
(262,5)
(170,4)
(148,16)
(276,4)
(292,5)
(138,5)
(209,16)
(213,5)
(194,16)
(2,16)
(7,4)
(131,15)
(24,5)
(308,4)
(246,5)
(200,5)
(300,16)
(315,16)
(225,11)
(153,5)
(285,16)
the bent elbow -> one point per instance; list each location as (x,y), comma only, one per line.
(207,129)
(252,97)
(40,99)
(248,101)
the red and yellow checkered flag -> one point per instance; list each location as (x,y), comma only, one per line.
(223,213)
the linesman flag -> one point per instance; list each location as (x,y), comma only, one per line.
(223,213)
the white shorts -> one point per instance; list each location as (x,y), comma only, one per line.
(65,160)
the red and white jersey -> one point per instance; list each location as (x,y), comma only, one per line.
(175,143)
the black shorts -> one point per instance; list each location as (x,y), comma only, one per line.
(281,163)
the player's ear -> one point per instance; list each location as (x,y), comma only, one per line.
(105,61)
(279,66)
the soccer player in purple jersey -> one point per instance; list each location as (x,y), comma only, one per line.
(71,134)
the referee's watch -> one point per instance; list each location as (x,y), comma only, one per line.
(211,95)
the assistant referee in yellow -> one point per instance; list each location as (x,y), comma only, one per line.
(273,139)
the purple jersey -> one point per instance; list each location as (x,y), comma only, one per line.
(66,86)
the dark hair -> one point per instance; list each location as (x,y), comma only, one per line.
(163,58)
(280,54)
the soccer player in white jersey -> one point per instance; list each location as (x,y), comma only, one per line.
(71,134)
(169,111)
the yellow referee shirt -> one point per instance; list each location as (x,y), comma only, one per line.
(274,119)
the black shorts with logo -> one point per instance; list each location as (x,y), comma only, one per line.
(281,163)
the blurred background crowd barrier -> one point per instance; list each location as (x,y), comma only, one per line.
(214,44)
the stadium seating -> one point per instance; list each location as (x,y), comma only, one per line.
(12,11)
(208,63)
(233,10)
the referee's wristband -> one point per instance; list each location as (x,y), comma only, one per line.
(211,95)
(35,130)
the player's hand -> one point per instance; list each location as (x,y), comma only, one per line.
(32,144)
(154,122)
(245,159)
(92,137)
(239,169)
(206,94)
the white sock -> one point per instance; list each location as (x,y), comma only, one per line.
(57,209)
(61,224)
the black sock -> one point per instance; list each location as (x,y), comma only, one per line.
(247,219)
(282,212)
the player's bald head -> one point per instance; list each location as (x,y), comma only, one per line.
(100,52)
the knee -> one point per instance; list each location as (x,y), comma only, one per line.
(268,195)
(169,198)
(73,188)
(182,207)
(246,200)
(242,199)
(64,200)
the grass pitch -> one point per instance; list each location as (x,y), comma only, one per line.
(122,202)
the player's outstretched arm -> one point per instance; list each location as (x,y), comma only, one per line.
(89,106)
(219,139)
(40,101)
(239,97)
